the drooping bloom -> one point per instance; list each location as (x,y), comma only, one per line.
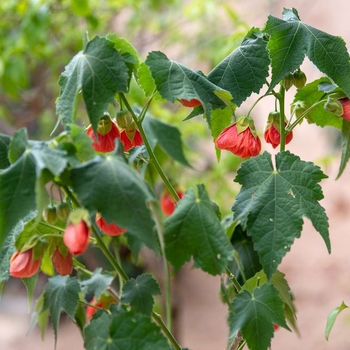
(62,264)
(272,130)
(131,139)
(107,132)
(109,229)
(168,203)
(240,139)
(22,264)
(103,302)
(76,237)
(345,102)
(191,103)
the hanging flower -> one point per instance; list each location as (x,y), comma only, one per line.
(131,139)
(76,237)
(168,203)
(62,264)
(103,302)
(272,131)
(240,138)
(109,229)
(107,132)
(190,103)
(22,264)
(345,102)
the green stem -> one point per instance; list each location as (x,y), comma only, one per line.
(232,278)
(281,98)
(242,345)
(153,158)
(256,102)
(156,317)
(160,231)
(117,257)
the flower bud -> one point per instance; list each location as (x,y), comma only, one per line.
(333,106)
(22,264)
(63,265)
(272,132)
(76,237)
(49,215)
(299,79)
(104,125)
(124,119)
(109,229)
(298,108)
(168,203)
(288,81)
(62,211)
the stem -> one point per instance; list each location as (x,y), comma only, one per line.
(160,229)
(156,317)
(115,243)
(232,278)
(44,223)
(151,154)
(256,102)
(281,99)
(242,345)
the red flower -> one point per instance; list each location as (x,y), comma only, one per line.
(22,264)
(273,136)
(131,139)
(76,237)
(63,265)
(107,132)
(90,310)
(276,327)
(345,102)
(243,144)
(109,229)
(191,103)
(168,203)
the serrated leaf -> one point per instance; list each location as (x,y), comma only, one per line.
(168,138)
(99,59)
(123,46)
(61,294)
(97,283)
(194,230)
(255,314)
(111,187)
(82,143)
(245,70)
(311,94)
(4,147)
(123,330)
(291,40)
(30,284)
(332,317)
(345,146)
(139,293)
(175,81)
(272,203)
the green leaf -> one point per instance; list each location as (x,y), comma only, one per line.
(194,230)
(80,317)
(146,82)
(123,330)
(139,293)
(111,187)
(82,143)
(61,293)
(4,147)
(291,39)
(345,147)
(272,203)
(99,59)
(97,283)
(175,81)
(311,94)
(17,145)
(255,314)
(39,317)
(245,70)
(168,138)
(30,284)
(332,317)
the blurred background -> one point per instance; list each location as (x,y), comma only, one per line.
(38,38)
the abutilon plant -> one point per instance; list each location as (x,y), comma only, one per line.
(111,174)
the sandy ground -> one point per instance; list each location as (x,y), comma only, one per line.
(318,280)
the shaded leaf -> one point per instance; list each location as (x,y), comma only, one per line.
(245,70)
(272,203)
(17,145)
(39,317)
(139,293)
(194,230)
(30,284)
(345,146)
(332,317)
(4,146)
(97,283)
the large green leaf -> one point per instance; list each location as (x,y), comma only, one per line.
(98,73)
(245,70)
(345,146)
(175,81)
(61,294)
(139,293)
(291,39)
(97,283)
(4,145)
(168,138)
(194,230)
(111,187)
(123,330)
(272,203)
(255,314)
(311,94)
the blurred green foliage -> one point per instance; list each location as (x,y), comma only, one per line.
(39,37)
